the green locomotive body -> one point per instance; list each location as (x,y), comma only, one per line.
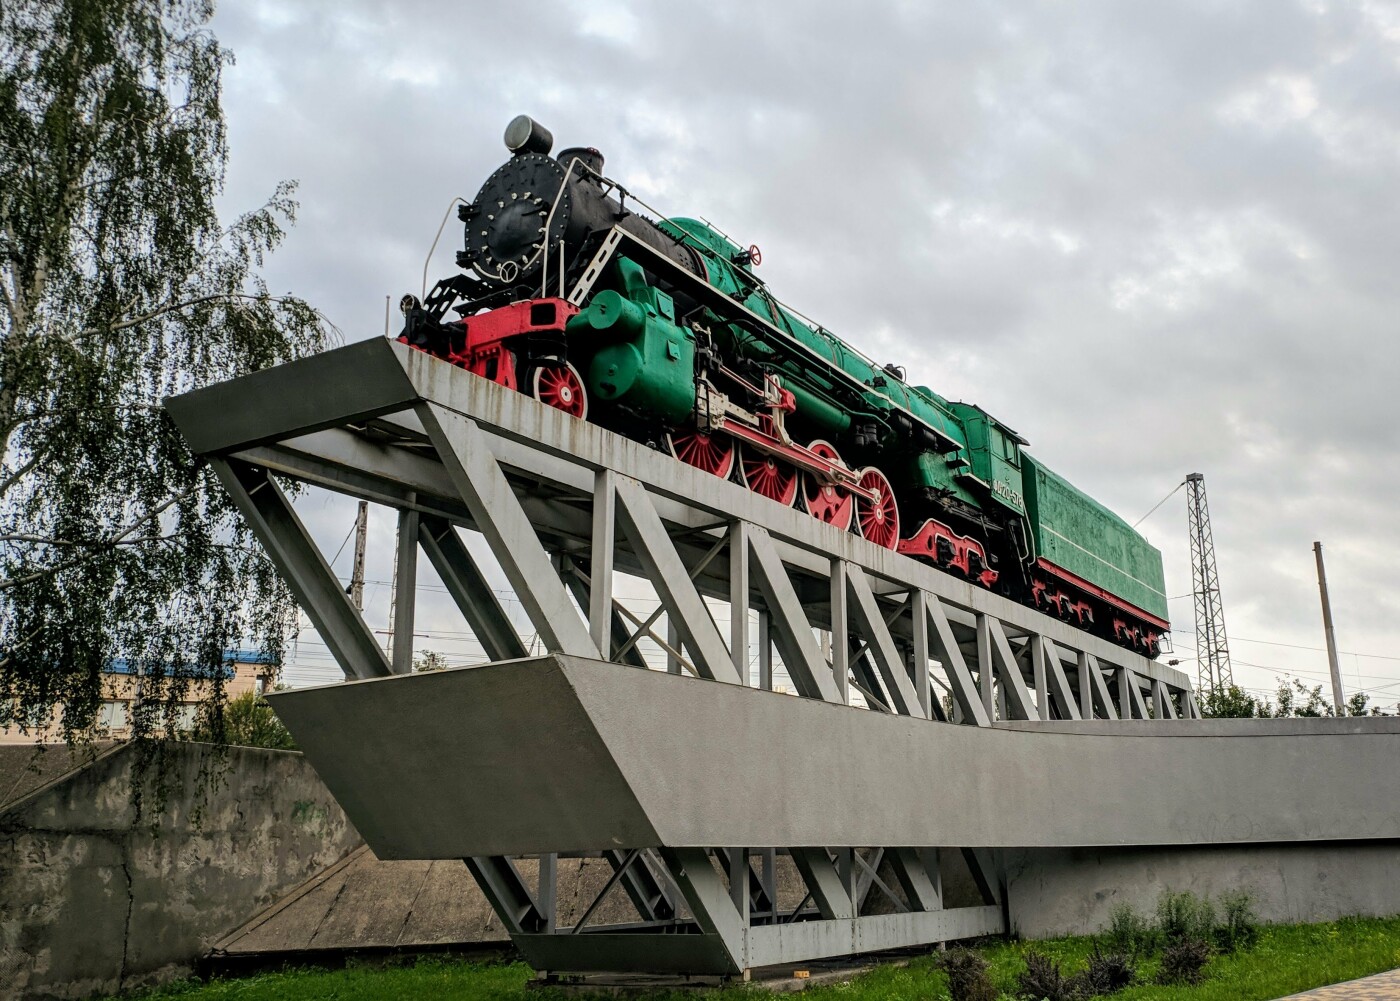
(661,331)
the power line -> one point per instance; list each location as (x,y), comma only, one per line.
(1169,496)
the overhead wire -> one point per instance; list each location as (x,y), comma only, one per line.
(1169,496)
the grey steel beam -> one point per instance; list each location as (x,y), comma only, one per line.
(684,607)
(470,589)
(648,896)
(507,893)
(1093,690)
(346,462)
(708,899)
(870,880)
(600,570)
(765,651)
(793,637)
(333,388)
(1039,672)
(739,598)
(881,646)
(1013,685)
(405,591)
(950,656)
(982,867)
(841,662)
(1130,695)
(774,945)
(1060,689)
(547,890)
(918,874)
(310,578)
(760,897)
(498,514)
(1166,708)
(829,891)
(918,607)
(986,676)
(624,650)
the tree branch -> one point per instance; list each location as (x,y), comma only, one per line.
(115,540)
(198,301)
(15,646)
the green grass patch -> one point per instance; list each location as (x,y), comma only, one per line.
(1286,959)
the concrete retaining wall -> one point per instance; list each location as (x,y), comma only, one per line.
(94,899)
(1074,891)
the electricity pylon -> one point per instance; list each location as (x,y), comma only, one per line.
(1212,648)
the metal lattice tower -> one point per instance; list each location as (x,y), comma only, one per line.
(1212,648)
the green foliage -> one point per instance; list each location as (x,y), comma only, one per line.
(1299,700)
(1184,916)
(1184,962)
(1239,926)
(247,721)
(1287,959)
(119,285)
(1129,932)
(1294,699)
(968,978)
(1231,702)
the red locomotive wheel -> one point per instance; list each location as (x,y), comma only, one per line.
(825,502)
(770,477)
(878,520)
(560,387)
(712,453)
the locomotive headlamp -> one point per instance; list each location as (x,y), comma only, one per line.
(525,135)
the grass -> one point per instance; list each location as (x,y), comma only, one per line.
(1286,959)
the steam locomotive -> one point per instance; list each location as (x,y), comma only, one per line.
(658,328)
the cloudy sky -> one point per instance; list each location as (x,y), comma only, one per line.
(1154,239)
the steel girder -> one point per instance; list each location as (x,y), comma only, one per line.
(564,506)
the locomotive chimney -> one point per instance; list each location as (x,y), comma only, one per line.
(525,135)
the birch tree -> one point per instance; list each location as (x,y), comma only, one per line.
(119,285)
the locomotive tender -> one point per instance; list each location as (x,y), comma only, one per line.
(659,330)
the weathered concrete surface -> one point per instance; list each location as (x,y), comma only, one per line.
(95,899)
(25,768)
(1074,891)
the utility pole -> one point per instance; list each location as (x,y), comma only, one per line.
(357,575)
(393,594)
(1337,696)
(1212,648)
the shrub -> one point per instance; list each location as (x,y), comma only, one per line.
(968,978)
(247,721)
(1183,961)
(1043,981)
(1129,932)
(1108,971)
(1182,916)
(1239,925)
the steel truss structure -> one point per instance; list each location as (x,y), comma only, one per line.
(1212,647)
(565,506)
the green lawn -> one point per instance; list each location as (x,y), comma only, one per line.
(1286,959)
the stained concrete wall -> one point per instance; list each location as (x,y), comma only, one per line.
(1074,891)
(95,899)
